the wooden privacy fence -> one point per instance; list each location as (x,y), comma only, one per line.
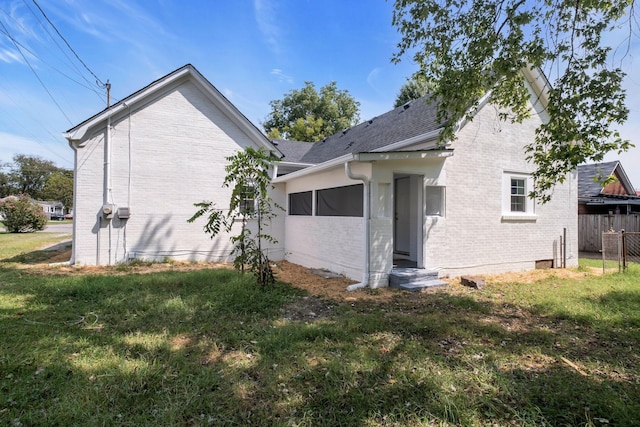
(591,227)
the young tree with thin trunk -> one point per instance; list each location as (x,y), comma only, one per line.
(249,180)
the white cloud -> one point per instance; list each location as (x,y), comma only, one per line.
(10,56)
(266,18)
(281,76)
(372,78)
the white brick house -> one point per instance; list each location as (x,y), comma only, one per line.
(378,194)
(148,159)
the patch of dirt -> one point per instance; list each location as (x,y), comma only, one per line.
(307,308)
(532,276)
(334,289)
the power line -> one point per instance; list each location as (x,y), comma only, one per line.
(68,45)
(35,73)
(78,71)
(32,53)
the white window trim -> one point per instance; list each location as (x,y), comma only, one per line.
(530,206)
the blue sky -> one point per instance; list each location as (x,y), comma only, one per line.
(253,51)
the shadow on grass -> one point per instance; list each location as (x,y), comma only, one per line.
(56,253)
(209,348)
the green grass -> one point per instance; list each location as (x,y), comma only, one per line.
(25,247)
(208,347)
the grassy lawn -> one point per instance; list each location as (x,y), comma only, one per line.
(25,247)
(207,347)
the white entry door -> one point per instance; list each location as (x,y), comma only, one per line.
(402,217)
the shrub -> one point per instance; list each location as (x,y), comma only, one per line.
(21,215)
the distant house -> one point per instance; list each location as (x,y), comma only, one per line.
(53,209)
(597,196)
(362,202)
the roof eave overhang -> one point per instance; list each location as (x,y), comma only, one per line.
(418,139)
(78,132)
(294,164)
(402,155)
(314,169)
(594,201)
(373,156)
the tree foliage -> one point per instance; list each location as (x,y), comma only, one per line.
(21,215)
(39,178)
(309,115)
(29,174)
(247,174)
(415,87)
(477,47)
(59,187)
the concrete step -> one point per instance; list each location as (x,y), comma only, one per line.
(414,279)
(419,285)
(406,275)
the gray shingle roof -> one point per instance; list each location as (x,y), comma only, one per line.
(293,150)
(410,120)
(589,187)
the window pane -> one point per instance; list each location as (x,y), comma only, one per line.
(247,202)
(518,198)
(517,186)
(340,201)
(434,201)
(300,203)
(518,204)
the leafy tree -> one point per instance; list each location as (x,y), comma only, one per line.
(21,215)
(309,115)
(59,186)
(248,176)
(5,185)
(29,174)
(474,47)
(414,88)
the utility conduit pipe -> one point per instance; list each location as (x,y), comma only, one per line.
(367,217)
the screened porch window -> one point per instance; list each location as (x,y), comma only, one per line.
(300,203)
(340,201)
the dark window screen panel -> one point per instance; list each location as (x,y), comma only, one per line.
(340,201)
(300,203)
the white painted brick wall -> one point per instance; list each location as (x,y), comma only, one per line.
(476,239)
(332,243)
(171,153)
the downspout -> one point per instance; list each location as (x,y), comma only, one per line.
(106,185)
(107,164)
(367,216)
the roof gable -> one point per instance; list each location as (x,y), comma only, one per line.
(149,92)
(590,179)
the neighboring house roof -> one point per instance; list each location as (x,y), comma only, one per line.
(590,179)
(292,151)
(76,133)
(49,203)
